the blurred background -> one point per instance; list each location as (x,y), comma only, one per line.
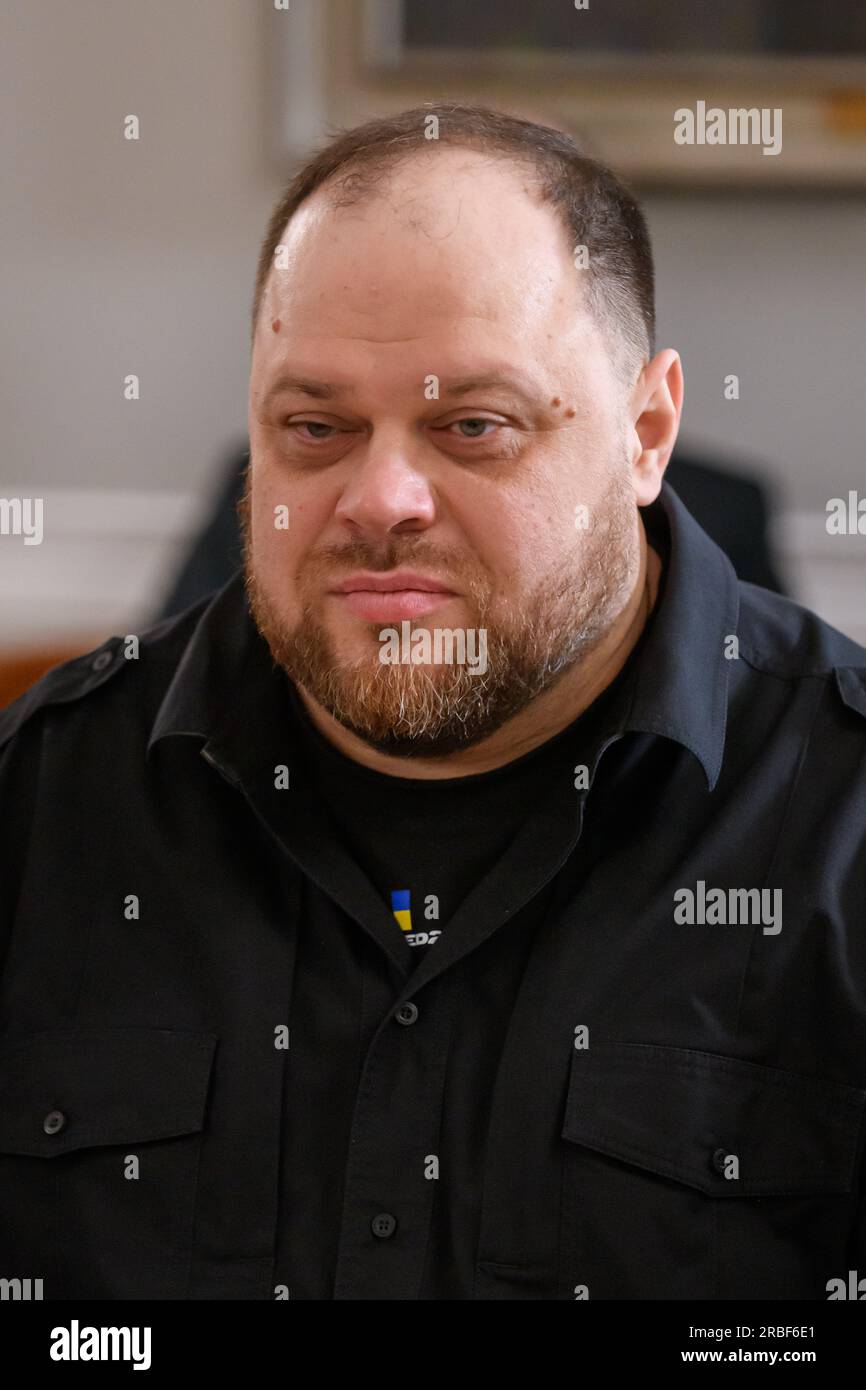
(131,260)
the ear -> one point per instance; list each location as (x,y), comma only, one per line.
(655,408)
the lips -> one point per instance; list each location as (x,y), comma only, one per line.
(392,597)
(388,583)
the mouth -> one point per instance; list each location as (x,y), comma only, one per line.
(403,594)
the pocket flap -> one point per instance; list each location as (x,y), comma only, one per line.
(681,1114)
(66,1089)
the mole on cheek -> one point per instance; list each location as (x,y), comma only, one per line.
(555,401)
(276,325)
(569,412)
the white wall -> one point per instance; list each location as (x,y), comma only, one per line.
(122,256)
(139,257)
(775,292)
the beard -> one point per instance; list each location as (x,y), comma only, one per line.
(533,638)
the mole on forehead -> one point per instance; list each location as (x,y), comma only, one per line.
(276,325)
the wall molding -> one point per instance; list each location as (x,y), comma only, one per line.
(104,561)
(825,573)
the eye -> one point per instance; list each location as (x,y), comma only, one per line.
(472,421)
(314,425)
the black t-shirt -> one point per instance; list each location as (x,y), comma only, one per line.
(424,843)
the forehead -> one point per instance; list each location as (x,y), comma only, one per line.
(447,239)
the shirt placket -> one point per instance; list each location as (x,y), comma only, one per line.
(393,1162)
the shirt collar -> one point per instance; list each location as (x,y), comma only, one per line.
(681,686)
(227,690)
(201,694)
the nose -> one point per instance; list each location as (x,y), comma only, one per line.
(387,489)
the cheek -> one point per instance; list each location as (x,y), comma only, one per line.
(562,519)
(514,550)
(526,536)
(271,518)
(281,521)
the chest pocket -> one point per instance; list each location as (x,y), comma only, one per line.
(693,1175)
(100,1133)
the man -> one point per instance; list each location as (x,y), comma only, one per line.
(467,901)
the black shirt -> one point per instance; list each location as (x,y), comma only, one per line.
(632,1066)
(424,843)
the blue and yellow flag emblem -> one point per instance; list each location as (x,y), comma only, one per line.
(401,909)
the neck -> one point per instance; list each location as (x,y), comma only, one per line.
(545,717)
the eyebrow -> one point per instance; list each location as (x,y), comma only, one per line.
(462,386)
(449,386)
(319,390)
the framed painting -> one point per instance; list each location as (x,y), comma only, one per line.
(763,92)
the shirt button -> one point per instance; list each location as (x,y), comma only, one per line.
(406,1014)
(383,1225)
(100,662)
(54,1121)
(718,1161)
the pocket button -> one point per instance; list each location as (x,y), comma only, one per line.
(383,1225)
(54,1121)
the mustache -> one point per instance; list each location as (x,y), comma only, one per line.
(379,560)
(337,561)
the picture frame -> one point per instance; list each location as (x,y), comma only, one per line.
(622,104)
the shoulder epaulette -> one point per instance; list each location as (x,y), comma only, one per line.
(851,683)
(69,681)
